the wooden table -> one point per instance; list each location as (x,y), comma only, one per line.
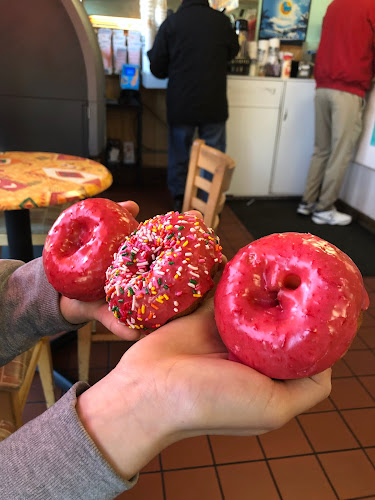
(32,179)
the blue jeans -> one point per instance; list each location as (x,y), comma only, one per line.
(180,139)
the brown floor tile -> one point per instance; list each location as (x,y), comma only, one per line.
(325,405)
(287,441)
(369,282)
(367,335)
(369,383)
(361,362)
(327,432)
(357,344)
(247,481)
(99,355)
(197,484)
(191,452)
(153,466)
(340,369)
(235,449)
(301,478)
(349,393)
(371,453)
(149,486)
(362,423)
(350,472)
(368,319)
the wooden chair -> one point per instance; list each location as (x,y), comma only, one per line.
(15,382)
(221,166)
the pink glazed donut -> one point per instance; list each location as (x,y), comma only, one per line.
(162,270)
(289,305)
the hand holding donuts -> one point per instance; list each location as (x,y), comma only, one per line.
(289,305)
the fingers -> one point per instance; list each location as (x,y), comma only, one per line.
(132,206)
(293,397)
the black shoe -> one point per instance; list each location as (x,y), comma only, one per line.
(177,204)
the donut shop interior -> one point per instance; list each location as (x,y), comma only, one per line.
(77,82)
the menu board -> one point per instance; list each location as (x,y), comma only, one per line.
(366,150)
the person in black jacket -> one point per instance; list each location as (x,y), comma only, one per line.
(192,49)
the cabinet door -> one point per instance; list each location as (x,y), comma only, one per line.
(251,134)
(295,142)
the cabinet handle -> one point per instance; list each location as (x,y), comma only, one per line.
(270,90)
(285,115)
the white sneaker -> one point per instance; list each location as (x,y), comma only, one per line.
(332,217)
(305,208)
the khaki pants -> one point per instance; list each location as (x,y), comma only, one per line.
(338,125)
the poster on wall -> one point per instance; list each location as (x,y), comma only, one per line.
(366,148)
(285,19)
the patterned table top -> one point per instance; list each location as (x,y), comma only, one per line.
(32,179)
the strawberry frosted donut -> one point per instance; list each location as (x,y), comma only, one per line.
(162,270)
(289,305)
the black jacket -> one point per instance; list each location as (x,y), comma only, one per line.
(192,48)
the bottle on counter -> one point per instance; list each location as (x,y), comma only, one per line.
(273,66)
(253,54)
(241,27)
(263,48)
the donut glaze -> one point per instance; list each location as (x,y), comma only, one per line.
(161,270)
(288,305)
(80,245)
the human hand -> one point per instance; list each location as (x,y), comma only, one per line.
(177,383)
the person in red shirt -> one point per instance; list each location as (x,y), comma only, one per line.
(344,69)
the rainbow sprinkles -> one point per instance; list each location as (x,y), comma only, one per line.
(161,270)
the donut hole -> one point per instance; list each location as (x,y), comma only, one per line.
(80,233)
(292,281)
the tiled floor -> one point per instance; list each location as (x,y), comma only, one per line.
(326,453)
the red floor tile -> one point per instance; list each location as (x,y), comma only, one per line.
(149,486)
(191,452)
(350,472)
(301,478)
(327,432)
(287,441)
(191,484)
(349,393)
(362,423)
(247,481)
(235,449)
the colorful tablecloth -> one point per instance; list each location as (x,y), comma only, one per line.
(32,179)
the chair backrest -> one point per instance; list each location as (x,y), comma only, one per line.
(221,167)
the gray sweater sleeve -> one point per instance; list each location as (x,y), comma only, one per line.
(53,458)
(29,308)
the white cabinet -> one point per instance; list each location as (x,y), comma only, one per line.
(295,140)
(270,135)
(251,133)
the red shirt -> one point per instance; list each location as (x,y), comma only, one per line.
(346,55)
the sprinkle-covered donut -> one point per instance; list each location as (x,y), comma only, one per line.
(162,270)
